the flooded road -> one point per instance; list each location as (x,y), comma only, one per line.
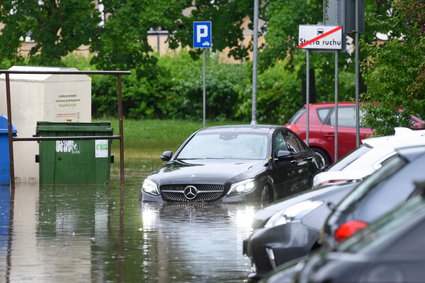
(91,234)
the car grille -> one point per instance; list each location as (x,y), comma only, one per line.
(199,192)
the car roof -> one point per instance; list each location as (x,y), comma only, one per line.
(401,134)
(382,148)
(383,151)
(242,128)
(329,104)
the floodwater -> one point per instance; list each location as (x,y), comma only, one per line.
(105,234)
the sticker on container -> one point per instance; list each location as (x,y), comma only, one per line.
(101,148)
(67,146)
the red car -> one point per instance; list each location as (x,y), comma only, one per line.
(322,130)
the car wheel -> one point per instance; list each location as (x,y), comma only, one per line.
(323,155)
(266,196)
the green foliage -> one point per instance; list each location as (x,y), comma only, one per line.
(227,16)
(278,96)
(221,81)
(283,18)
(395,71)
(80,61)
(123,41)
(56,27)
(171,86)
(175,93)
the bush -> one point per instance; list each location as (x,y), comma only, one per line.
(278,96)
(174,91)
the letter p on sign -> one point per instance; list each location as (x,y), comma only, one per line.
(202,34)
(201,31)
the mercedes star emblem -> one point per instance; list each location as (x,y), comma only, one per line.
(190,192)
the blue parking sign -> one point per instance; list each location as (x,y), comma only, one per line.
(202,34)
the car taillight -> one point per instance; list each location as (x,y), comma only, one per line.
(348,229)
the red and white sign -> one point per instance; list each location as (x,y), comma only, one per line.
(320,37)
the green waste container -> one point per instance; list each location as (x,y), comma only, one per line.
(74,161)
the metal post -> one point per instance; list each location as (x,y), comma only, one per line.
(356,33)
(204,96)
(121,129)
(307,97)
(10,134)
(336,107)
(254,66)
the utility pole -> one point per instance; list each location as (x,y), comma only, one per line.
(254,66)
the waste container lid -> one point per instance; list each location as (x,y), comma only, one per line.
(73,127)
(3,125)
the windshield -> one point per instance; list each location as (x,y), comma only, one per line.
(378,179)
(296,116)
(350,158)
(225,146)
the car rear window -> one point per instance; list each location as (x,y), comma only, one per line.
(296,116)
(323,114)
(370,184)
(346,117)
(350,158)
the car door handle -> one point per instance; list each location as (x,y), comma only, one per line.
(329,135)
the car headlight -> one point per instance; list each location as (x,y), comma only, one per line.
(245,186)
(150,187)
(293,213)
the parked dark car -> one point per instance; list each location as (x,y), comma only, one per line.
(322,128)
(389,186)
(233,164)
(290,228)
(391,249)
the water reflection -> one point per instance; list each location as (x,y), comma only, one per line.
(197,242)
(104,234)
(5,229)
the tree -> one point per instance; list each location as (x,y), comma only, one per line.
(228,17)
(394,71)
(56,27)
(283,18)
(123,41)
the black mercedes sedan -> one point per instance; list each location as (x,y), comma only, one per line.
(242,163)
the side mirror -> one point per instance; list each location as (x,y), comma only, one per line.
(166,155)
(281,154)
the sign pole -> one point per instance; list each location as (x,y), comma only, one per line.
(202,38)
(307,97)
(319,37)
(356,33)
(336,106)
(204,95)
(254,66)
